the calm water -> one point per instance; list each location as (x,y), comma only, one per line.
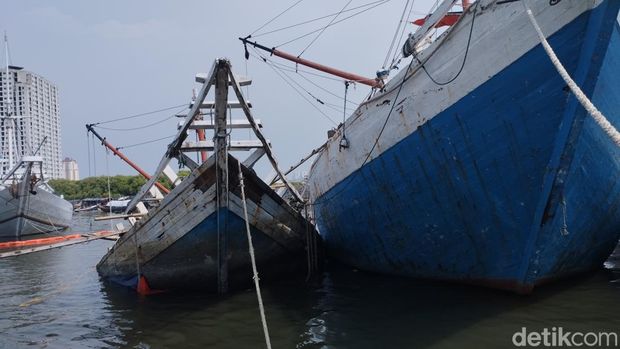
(54,299)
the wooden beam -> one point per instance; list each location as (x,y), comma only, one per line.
(234,124)
(233,146)
(262,138)
(221,168)
(254,157)
(243,80)
(211,105)
(173,148)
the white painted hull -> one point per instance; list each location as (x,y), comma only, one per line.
(42,213)
(421,99)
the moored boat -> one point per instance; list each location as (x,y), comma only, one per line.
(476,163)
(28,204)
(196,237)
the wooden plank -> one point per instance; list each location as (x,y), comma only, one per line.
(232,124)
(211,105)
(86,237)
(244,145)
(243,80)
(122,216)
(173,148)
(253,158)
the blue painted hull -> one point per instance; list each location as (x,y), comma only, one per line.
(175,247)
(512,186)
(191,262)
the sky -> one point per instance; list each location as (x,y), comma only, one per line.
(112,59)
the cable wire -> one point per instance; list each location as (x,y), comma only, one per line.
(139,115)
(291,83)
(143,143)
(276,17)
(332,24)
(137,127)
(471,30)
(324,28)
(317,19)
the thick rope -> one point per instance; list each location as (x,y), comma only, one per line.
(251,248)
(599,118)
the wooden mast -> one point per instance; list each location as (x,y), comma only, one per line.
(221,169)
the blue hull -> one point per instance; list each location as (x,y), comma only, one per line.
(176,247)
(482,192)
(191,262)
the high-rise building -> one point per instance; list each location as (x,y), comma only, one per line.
(33,103)
(72,172)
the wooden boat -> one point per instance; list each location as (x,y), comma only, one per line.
(476,163)
(28,204)
(196,237)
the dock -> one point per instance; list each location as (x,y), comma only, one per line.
(17,248)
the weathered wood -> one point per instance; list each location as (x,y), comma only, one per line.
(232,124)
(261,137)
(244,145)
(221,168)
(243,80)
(122,216)
(253,158)
(173,148)
(211,105)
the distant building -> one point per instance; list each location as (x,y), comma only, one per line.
(71,169)
(33,100)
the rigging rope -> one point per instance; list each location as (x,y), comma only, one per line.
(276,17)
(400,23)
(332,24)
(398,53)
(291,83)
(139,115)
(94,156)
(253,259)
(471,30)
(143,143)
(317,19)
(324,28)
(138,127)
(598,117)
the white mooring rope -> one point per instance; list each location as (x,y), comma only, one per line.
(251,248)
(599,118)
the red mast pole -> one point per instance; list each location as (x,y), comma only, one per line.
(124,158)
(329,70)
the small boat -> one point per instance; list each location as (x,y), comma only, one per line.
(86,208)
(88,204)
(114,206)
(196,237)
(28,204)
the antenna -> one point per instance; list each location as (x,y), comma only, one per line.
(8,101)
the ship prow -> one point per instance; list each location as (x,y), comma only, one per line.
(477,164)
(197,237)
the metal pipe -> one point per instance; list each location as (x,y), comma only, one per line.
(375,83)
(116,152)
